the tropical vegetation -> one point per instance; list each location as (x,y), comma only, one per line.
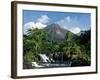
(75,48)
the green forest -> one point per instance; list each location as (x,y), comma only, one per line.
(75,48)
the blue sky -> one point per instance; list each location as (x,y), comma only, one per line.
(72,21)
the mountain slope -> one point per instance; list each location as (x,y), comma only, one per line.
(55,32)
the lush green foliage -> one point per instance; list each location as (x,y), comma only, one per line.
(36,42)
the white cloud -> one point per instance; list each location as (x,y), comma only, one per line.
(39,25)
(43,19)
(70,23)
(75,30)
(64,20)
(31,25)
(28,25)
(68,19)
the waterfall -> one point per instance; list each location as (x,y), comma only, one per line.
(44,58)
(47,62)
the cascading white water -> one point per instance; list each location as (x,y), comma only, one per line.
(44,58)
(47,62)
